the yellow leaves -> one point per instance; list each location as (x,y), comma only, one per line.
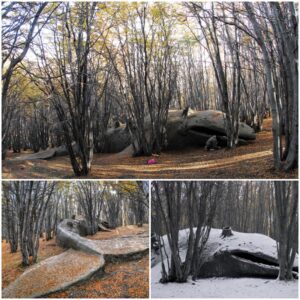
(246,39)
(102,6)
(23,86)
(60,27)
(49,7)
(128,186)
(155,12)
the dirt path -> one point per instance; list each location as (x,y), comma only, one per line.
(252,161)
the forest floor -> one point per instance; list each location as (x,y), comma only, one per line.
(12,262)
(118,232)
(254,160)
(224,287)
(128,279)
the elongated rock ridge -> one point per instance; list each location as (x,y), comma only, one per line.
(194,129)
(237,255)
(83,259)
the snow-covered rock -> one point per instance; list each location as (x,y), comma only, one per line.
(224,287)
(242,254)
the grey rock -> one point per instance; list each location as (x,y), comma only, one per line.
(239,255)
(55,274)
(191,129)
(83,259)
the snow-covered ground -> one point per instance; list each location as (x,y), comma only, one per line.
(223,288)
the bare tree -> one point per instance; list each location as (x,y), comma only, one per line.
(71,84)
(18,32)
(283,97)
(147,57)
(286,206)
(184,204)
(90,198)
(11,219)
(30,200)
(230,97)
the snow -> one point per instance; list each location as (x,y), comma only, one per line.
(248,242)
(223,287)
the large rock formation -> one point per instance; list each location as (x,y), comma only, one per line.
(55,274)
(241,254)
(83,259)
(238,255)
(116,139)
(48,153)
(70,234)
(194,129)
(198,127)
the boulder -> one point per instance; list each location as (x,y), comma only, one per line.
(192,129)
(240,255)
(102,227)
(70,235)
(198,127)
(235,255)
(116,139)
(184,129)
(124,247)
(43,154)
(211,143)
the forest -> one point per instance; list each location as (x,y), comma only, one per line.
(76,227)
(211,233)
(91,88)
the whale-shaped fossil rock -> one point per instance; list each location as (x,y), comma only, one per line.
(116,139)
(71,234)
(239,255)
(54,274)
(194,129)
(184,131)
(48,153)
(83,259)
(242,254)
(198,127)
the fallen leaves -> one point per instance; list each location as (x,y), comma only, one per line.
(128,279)
(12,262)
(251,161)
(121,280)
(54,273)
(119,231)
